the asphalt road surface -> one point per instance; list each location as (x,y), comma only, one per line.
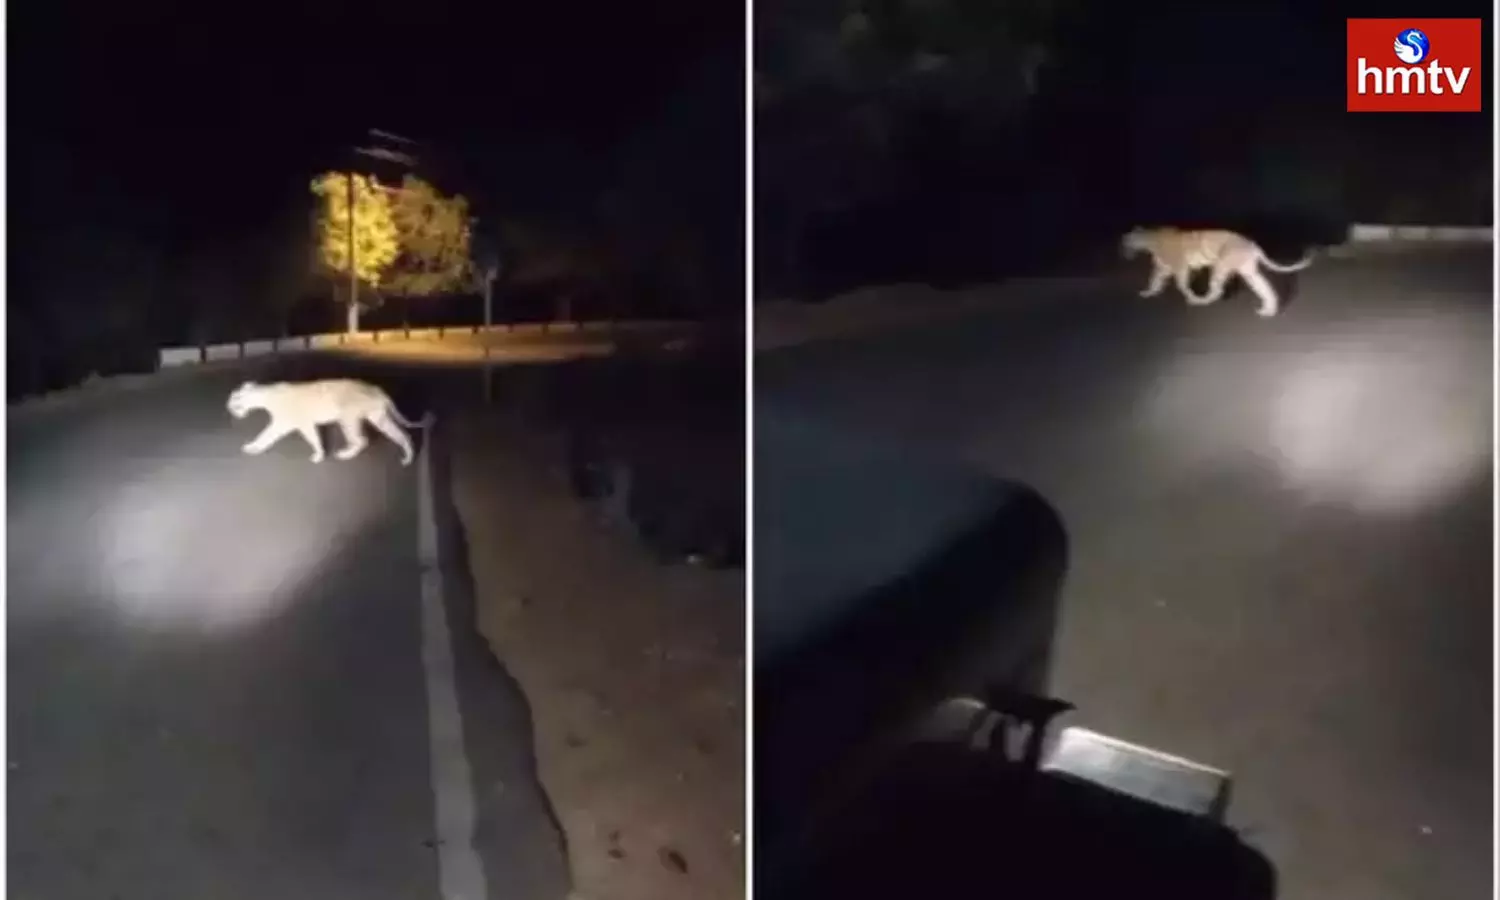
(1281,536)
(217,680)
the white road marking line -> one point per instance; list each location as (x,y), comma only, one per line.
(460,873)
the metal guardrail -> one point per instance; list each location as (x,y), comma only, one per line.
(173,357)
(1448,234)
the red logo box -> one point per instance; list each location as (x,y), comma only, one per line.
(1440,74)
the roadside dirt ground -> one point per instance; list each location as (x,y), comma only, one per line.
(634,671)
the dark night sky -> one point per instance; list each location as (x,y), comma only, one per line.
(165,105)
(206,127)
(153,99)
(1283,53)
(1269,68)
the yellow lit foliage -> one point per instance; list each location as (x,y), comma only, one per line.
(376,238)
(434,237)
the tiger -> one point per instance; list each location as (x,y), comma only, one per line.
(303,406)
(1175,253)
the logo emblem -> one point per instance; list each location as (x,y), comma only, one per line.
(1411,46)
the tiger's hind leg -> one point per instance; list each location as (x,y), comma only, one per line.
(386,426)
(1270,303)
(354,438)
(1217,281)
(1184,280)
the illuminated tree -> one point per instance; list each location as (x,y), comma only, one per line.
(376,238)
(433,233)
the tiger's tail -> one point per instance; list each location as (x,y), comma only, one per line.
(427,419)
(1274,266)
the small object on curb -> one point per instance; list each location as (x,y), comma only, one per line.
(674,860)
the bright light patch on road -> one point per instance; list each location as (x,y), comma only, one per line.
(1393,419)
(193,553)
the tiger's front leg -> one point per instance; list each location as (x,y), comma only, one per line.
(268,436)
(1159,275)
(310,434)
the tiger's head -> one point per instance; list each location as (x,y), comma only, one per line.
(243,399)
(1134,241)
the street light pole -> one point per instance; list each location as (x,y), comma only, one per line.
(488,270)
(489,294)
(377,153)
(487,264)
(351,314)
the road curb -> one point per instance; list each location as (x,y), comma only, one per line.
(460,872)
(494,700)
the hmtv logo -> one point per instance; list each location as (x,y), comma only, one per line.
(1414,65)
